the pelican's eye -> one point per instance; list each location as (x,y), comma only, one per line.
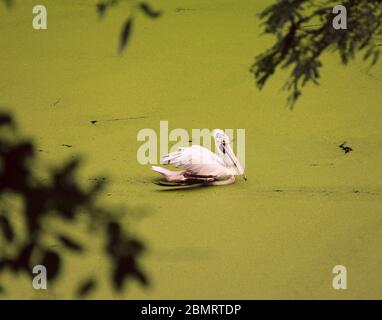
(223,142)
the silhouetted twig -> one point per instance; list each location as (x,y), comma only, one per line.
(300,48)
(104,5)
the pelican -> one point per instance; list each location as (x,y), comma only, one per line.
(201,166)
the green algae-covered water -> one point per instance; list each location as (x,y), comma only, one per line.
(306,206)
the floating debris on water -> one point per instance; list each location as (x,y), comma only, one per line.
(345,148)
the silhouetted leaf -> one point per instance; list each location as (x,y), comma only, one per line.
(125,266)
(25,254)
(148,11)
(60,195)
(101,8)
(52,262)
(86,287)
(4,263)
(6,228)
(5,119)
(375,57)
(136,247)
(125,34)
(141,277)
(69,243)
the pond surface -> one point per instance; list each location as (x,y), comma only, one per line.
(306,207)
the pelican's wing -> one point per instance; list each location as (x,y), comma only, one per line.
(198,161)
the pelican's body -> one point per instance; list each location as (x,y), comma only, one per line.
(200,165)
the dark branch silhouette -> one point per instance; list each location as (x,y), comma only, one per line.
(104,5)
(303,30)
(60,197)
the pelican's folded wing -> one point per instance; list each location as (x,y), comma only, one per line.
(198,161)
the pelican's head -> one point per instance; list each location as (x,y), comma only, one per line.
(223,145)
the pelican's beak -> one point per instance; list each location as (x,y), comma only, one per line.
(235,161)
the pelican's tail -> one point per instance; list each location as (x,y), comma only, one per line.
(169,174)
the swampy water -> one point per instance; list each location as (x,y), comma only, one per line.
(306,207)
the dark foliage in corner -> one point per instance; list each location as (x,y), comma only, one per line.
(59,196)
(104,5)
(304,31)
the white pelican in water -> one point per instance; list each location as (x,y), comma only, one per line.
(201,166)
